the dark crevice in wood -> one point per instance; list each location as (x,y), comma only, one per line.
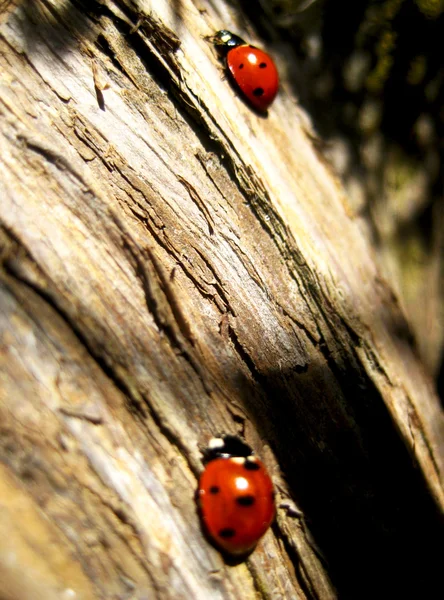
(104,46)
(244,356)
(361,495)
(300,325)
(295,559)
(219,286)
(155,51)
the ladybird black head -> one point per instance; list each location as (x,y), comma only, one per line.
(227,446)
(225,41)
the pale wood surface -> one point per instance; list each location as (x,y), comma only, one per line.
(174,266)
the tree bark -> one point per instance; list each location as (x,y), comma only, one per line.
(175,266)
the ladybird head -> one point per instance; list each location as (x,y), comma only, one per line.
(225,41)
(227,446)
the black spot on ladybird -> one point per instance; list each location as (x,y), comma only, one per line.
(241,66)
(262,65)
(246,500)
(258,92)
(251,465)
(214,489)
(227,532)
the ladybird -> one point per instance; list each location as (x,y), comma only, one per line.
(251,69)
(235,495)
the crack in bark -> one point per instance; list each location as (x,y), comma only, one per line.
(295,559)
(244,356)
(225,306)
(162,302)
(420,430)
(199,203)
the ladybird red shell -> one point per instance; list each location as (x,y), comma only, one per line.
(236,499)
(256,75)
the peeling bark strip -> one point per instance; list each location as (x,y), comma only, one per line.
(173,266)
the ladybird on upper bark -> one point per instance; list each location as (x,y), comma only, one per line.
(235,495)
(251,69)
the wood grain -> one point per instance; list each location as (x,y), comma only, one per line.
(174,266)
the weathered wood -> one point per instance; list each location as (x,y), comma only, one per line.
(174,266)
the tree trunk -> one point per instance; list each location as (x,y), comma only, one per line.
(175,266)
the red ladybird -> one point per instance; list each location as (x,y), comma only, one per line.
(251,69)
(236,496)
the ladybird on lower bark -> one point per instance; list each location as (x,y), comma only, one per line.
(235,495)
(251,69)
